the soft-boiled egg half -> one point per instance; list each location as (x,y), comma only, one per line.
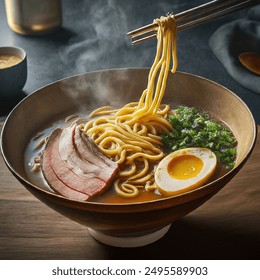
(184,170)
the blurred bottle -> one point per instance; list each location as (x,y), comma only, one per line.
(33,17)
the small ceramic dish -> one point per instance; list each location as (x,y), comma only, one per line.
(13,71)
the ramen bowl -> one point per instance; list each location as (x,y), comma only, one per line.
(128,224)
(13,71)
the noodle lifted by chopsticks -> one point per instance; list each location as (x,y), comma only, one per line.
(131,135)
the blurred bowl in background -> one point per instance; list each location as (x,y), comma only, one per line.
(13,71)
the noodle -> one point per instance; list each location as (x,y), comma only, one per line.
(130,135)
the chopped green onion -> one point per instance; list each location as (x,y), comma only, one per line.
(193,128)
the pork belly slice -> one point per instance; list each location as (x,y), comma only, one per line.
(86,148)
(63,159)
(51,177)
(83,157)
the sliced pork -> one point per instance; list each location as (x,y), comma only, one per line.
(51,177)
(70,173)
(83,156)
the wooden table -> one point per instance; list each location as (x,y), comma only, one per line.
(226,227)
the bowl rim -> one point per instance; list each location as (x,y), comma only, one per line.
(133,204)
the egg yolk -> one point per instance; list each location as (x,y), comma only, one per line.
(184,167)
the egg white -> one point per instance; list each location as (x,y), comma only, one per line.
(169,186)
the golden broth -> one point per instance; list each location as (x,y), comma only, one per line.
(109,196)
(7,60)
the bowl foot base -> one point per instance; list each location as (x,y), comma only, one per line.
(129,241)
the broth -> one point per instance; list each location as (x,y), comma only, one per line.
(109,196)
(7,60)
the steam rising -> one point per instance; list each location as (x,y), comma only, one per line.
(101,43)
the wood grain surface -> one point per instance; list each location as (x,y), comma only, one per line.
(225,227)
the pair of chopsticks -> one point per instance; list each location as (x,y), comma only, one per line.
(192,17)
